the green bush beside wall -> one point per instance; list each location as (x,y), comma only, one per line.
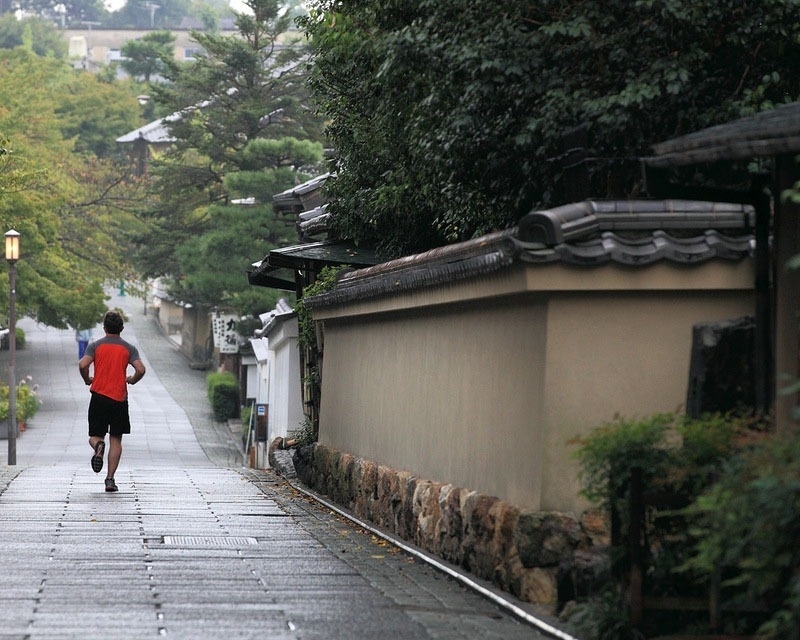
(223,394)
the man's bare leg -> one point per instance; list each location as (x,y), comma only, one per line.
(114,454)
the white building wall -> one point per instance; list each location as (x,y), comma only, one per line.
(250,366)
(285,403)
(259,377)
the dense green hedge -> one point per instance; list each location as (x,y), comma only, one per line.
(223,394)
(20,340)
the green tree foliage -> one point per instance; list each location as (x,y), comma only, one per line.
(742,487)
(96,113)
(69,247)
(451,118)
(145,57)
(748,526)
(36,34)
(13,174)
(145,14)
(65,12)
(242,135)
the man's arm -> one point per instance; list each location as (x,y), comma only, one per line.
(138,372)
(83,367)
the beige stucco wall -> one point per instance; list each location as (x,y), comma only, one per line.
(617,353)
(434,394)
(485,393)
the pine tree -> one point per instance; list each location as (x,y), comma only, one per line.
(242,133)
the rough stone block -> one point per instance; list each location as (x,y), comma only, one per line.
(545,539)
(539,586)
(450,527)
(530,554)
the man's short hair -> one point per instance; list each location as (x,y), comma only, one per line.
(113,323)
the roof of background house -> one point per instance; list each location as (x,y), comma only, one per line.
(769,133)
(158,131)
(155,132)
(301,198)
(306,203)
(187,22)
(589,233)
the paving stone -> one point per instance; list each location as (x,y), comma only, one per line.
(193,546)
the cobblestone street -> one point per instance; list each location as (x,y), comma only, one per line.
(194,545)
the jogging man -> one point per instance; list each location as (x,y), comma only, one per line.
(108,408)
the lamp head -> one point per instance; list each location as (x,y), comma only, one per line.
(12,245)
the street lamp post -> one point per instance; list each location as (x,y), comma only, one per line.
(12,255)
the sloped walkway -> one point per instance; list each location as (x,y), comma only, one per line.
(193,546)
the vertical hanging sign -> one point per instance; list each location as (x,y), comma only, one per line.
(225,335)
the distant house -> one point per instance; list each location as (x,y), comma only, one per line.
(151,138)
(90,48)
(272,380)
(296,267)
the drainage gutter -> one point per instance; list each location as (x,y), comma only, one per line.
(502,602)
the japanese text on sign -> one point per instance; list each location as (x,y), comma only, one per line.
(225,335)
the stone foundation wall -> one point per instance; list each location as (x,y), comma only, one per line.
(545,558)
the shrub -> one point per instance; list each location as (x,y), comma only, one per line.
(748,526)
(679,460)
(223,394)
(20,343)
(304,434)
(674,452)
(27,402)
(246,413)
(603,617)
(609,453)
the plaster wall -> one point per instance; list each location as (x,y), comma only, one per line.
(616,353)
(285,402)
(453,394)
(460,386)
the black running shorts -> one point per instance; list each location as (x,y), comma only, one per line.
(108,416)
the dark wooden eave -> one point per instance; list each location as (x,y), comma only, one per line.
(773,134)
(280,268)
(770,133)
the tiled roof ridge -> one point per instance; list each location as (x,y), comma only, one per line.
(460,251)
(585,233)
(657,246)
(412,279)
(576,220)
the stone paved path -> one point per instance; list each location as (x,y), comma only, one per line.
(193,546)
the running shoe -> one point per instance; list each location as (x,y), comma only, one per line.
(97,458)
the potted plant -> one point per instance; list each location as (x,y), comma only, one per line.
(27,402)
